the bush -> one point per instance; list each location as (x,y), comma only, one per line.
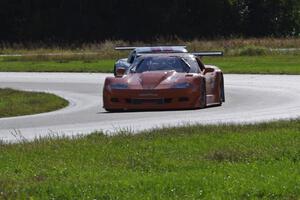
(253,51)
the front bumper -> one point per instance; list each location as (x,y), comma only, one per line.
(156,99)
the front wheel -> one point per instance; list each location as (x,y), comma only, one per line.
(203,94)
(115,70)
(222,91)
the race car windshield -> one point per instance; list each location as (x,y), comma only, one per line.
(161,64)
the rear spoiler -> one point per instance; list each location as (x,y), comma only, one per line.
(208,53)
(121,48)
(125,48)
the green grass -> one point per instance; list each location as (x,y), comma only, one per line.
(92,65)
(194,162)
(268,64)
(16,103)
(279,64)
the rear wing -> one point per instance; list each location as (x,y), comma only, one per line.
(208,53)
(125,48)
(121,48)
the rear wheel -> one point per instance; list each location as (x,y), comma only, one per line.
(203,94)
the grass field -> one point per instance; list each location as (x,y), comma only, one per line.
(257,55)
(210,162)
(280,64)
(16,103)
(56,65)
(195,162)
(269,64)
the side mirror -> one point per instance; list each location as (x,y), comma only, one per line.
(208,70)
(120,72)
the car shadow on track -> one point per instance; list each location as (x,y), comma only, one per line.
(154,110)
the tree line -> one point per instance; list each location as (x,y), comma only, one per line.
(98,20)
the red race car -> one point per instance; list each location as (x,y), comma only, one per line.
(165,81)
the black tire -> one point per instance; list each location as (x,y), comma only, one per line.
(115,70)
(222,96)
(203,94)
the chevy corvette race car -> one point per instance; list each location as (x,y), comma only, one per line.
(137,51)
(165,81)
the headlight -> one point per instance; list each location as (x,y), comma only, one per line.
(182,85)
(118,86)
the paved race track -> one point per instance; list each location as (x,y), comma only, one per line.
(249,99)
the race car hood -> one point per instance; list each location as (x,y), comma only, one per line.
(155,79)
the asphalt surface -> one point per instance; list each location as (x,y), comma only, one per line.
(249,99)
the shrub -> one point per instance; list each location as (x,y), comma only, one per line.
(253,51)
